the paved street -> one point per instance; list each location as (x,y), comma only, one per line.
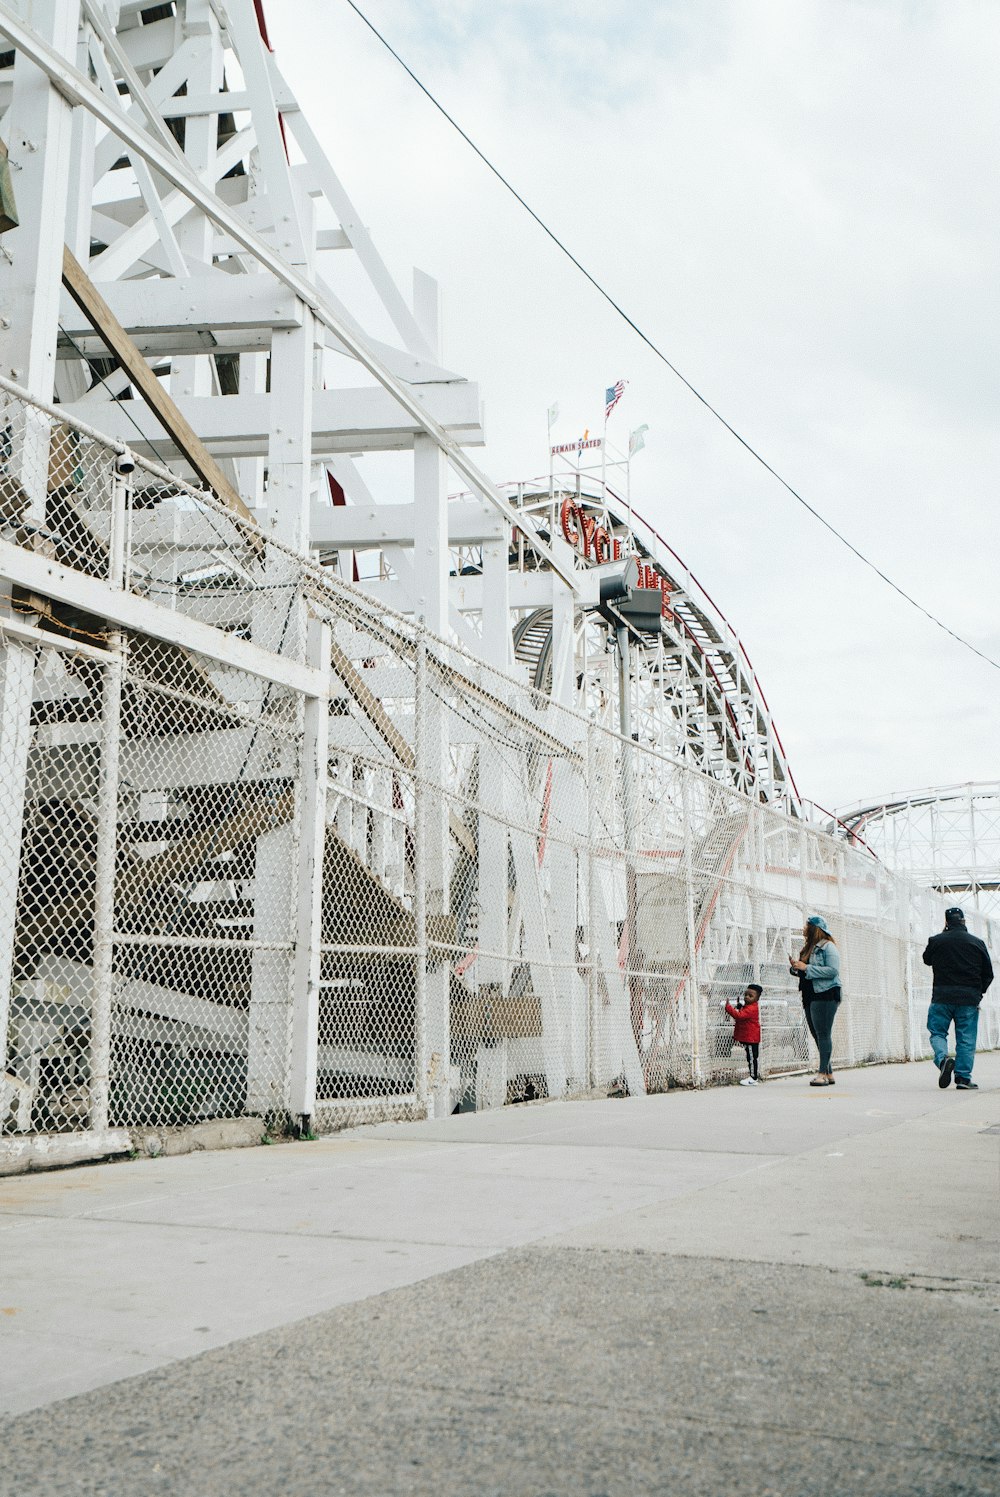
(773,1291)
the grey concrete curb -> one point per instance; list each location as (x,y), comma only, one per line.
(18,1156)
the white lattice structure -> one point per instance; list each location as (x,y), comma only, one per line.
(200,202)
(947,838)
(234,813)
(691,685)
(275,842)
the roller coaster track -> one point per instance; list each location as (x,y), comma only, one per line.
(700,667)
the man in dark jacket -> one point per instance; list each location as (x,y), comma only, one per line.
(962,973)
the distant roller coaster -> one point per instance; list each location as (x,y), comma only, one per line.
(694,690)
(945,837)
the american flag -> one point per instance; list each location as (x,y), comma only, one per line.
(612,395)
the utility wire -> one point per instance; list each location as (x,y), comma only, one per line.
(866,561)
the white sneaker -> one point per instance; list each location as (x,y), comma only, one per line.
(748,1081)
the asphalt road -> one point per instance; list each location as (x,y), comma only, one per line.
(562,1370)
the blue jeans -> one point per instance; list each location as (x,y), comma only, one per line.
(965,1017)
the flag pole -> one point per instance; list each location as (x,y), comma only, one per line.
(552,416)
(604,457)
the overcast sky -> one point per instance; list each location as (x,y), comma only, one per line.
(798,201)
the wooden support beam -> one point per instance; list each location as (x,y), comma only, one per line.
(186,857)
(373,710)
(371,707)
(92,304)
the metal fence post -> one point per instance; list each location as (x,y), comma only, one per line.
(590,853)
(309,907)
(119,558)
(904,925)
(627,789)
(694,995)
(852,1045)
(104,886)
(17,670)
(421,1059)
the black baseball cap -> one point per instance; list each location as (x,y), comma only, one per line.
(954,913)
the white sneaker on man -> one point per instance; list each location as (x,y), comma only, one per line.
(748,1081)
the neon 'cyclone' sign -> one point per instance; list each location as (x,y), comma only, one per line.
(595,543)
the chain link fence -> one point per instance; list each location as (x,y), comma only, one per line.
(268,850)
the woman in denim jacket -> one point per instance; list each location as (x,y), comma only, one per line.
(818,969)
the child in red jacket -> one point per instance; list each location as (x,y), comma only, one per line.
(747,1031)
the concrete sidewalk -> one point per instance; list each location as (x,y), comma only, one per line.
(778,1289)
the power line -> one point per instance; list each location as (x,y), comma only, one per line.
(654,348)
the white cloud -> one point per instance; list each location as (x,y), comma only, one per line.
(799,203)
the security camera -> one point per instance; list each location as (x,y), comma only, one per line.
(125,462)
